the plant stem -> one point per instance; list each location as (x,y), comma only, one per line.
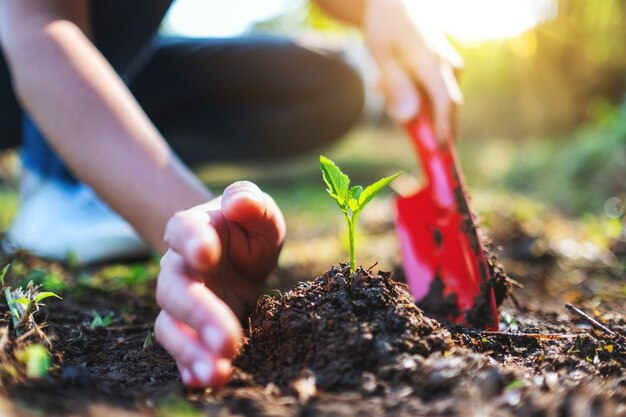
(351,240)
(27,313)
(14,314)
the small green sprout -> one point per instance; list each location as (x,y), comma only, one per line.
(350,200)
(148,341)
(24,304)
(36,359)
(99,321)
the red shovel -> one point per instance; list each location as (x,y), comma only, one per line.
(441,249)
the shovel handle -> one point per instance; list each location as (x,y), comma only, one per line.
(437,159)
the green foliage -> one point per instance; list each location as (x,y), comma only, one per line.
(582,175)
(24,304)
(543,81)
(351,200)
(116,278)
(50,280)
(36,359)
(3,273)
(9,202)
(99,321)
(40,296)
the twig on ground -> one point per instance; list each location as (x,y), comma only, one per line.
(372,267)
(595,323)
(514,282)
(25,335)
(539,336)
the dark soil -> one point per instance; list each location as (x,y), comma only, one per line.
(347,332)
(326,348)
(497,282)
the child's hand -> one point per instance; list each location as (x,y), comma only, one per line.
(219,256)
(410,54)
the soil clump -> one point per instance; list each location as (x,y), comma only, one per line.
(348,332)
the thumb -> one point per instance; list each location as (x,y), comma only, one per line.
(245,204)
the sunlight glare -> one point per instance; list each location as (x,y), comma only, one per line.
(481,20)
(213,18)
(465,20)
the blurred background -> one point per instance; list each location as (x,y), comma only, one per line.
(543,129)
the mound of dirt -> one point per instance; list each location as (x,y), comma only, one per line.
(346,333)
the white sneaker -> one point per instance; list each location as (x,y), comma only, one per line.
(62,222)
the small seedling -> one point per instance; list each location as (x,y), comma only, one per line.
(99,321)
(148,341)
(24,304)
(350,200)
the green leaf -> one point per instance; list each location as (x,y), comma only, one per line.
(513,385)
(23,301)
(353,201)
(3,273)
(355,192)
(370,192)
(44,295)
(99,321)
(338,183)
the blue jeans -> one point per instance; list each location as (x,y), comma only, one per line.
(38,158)
(232,100)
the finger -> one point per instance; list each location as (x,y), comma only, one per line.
(457,97)
(245,204)
(195,363)
(185,374)
(447,52)
(223,370)
(452,83)
(402,97)
(189,301)
(191,234)
(430,75)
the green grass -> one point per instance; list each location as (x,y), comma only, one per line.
(8,207)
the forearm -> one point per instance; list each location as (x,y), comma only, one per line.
(94,123)
(350,11)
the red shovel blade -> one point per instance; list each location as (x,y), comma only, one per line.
(438,237)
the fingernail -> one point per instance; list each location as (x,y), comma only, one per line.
(247,194)
(186,376)
(213,338)
(203,370)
